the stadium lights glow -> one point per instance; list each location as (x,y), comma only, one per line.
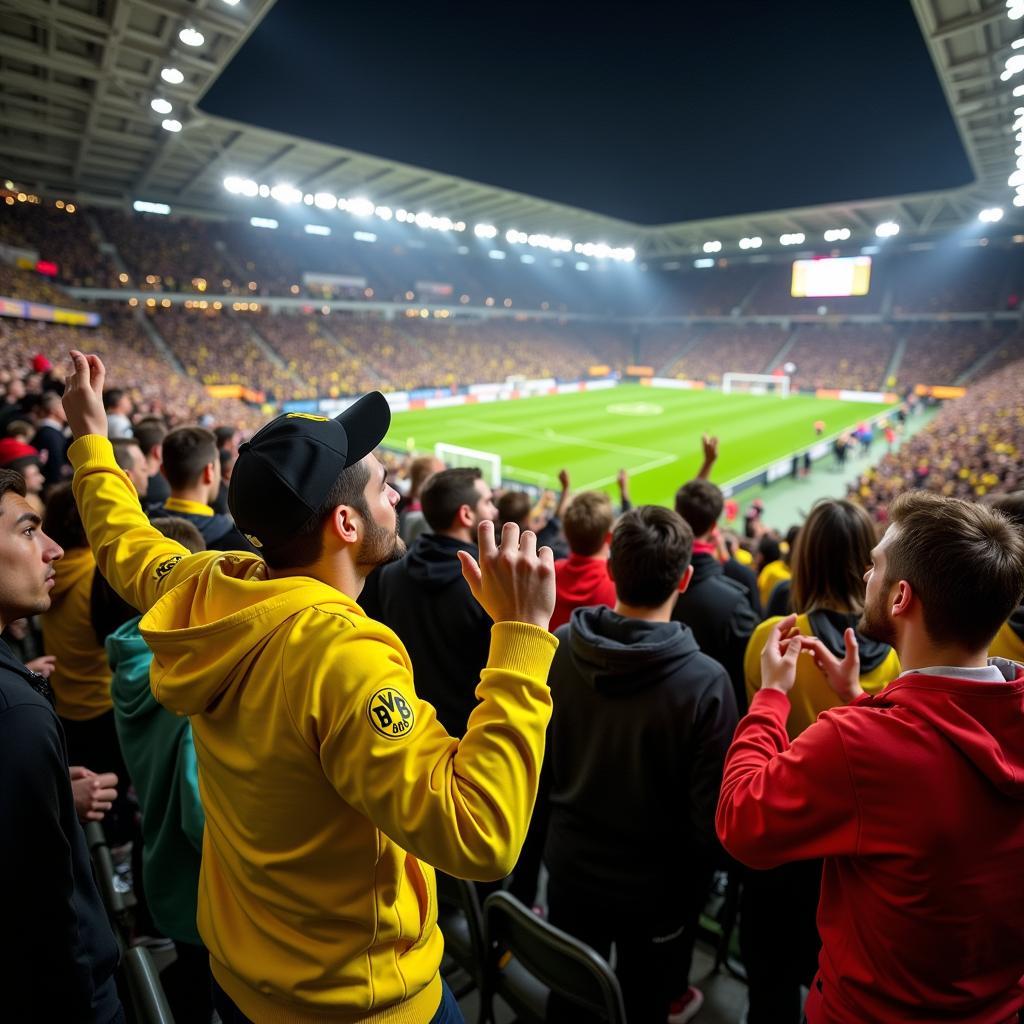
(172,76)
(484,230)
(581,265)
(991,214)
(795,238)
(170,124)
(1015,9)
(359,207)
(242,186)
(1015,180)
(325,201)
(317,229)
(263,222)
(527,258)
(701,264)
(1018,90)
(750,243)
(286,194)
(715,246)
(837,234)
(143,207)
(231,3)
(496,254)
(364,236)
(161,106)
(384,212)
(887,229)
(1018,199)
(191,36)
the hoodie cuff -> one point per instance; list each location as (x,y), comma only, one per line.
(774,702)
(522,648)
(92,448)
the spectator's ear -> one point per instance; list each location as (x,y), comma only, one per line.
(209,473)
(685,581)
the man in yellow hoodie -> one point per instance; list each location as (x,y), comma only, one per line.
(330,789)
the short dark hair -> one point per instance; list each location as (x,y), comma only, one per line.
(963,561)
(307,544)
(700,503)
(122,451)
(112,396)
(588,520)
(61,521)
(1011,506)
(187,450)
(769,548)
(224,434)
(651,548)
(181,530)
(11,480)
(513,507)
(446,492)
(149,433)
(829,558)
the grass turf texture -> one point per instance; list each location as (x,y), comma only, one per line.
(654,433)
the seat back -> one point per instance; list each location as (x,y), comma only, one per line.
(461,922)
(143,981)
(564,965)
(103,869)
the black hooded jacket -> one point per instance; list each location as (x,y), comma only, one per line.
(718,611)
(425,600)
(639,732)
(60,953)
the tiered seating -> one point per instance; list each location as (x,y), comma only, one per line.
(938,353)
(27,284)
(741,349)
(842,356)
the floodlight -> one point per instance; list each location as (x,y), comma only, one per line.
(169,124)
(161,106)
(994,213)
(360,207)
(286,194)
(143,207)
(714,246)
(172,75)
(484,230)
(191,37)
(325,201)
(317,229)
(384,212)
(422,219)
(496,254)
(887,229)
(527,258)
(263,222)
(704,263)
(581,265)
(364,236)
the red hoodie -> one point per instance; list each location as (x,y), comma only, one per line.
(915,798)
(580,581)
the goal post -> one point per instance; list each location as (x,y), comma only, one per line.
(755,384)
(454,457)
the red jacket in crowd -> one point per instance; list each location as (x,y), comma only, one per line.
(580,581)
(915,798)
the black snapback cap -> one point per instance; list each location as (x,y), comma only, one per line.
(285,472)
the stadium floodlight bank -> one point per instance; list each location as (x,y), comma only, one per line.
(453,456)
(755,383)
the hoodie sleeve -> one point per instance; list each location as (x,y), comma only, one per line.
(136,559)
(463,806)
(781,803)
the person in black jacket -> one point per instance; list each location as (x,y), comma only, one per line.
(59,959)
(191,464)
(715,607)
(51,437)
(426,601)
(640,726)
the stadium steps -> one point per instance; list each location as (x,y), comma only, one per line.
(749,297)
(893,369)
(669,368)
(777,359)
(978,365)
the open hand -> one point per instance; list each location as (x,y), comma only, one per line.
(513,583)
(83,397)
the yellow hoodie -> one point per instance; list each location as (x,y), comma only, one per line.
(328,786)
(1008,642)
(769,578)
(81,677)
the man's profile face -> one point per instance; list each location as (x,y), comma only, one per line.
(381,543)
(485,510)
(34,479)
(26,560)
(876,622)
(139,473)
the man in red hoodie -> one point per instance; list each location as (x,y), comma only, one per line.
(915,796)
(582,579)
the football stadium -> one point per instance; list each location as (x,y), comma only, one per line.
(512,517)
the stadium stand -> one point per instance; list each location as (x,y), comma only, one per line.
(717,350)
(842,355)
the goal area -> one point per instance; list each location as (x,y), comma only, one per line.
(755,384)
(455,457)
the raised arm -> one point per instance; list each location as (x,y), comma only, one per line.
(136,559)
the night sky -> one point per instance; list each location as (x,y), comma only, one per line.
(654,113)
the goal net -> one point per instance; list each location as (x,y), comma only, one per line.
(488,463)
(755,384)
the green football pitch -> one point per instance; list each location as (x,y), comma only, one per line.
(654,433)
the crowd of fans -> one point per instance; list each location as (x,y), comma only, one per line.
(707,679)
(842,356)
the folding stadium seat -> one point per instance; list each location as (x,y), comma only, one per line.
(103,868)
(462,924)
(529,960)
(139,974)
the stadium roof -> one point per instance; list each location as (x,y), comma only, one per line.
(77,79)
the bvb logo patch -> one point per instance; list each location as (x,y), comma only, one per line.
(166,566)
(390,714)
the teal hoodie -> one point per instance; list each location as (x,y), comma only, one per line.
(158,751)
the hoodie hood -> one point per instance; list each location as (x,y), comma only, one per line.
(829,627)
(704,567)
(129,659)
(619,656)
(1016,622)
(206,632)
(76,565)
(432,562)
(984,721)
(11,663)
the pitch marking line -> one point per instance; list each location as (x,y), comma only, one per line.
(635,472)
(583,442)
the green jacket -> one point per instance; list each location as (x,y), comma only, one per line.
(158,751)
